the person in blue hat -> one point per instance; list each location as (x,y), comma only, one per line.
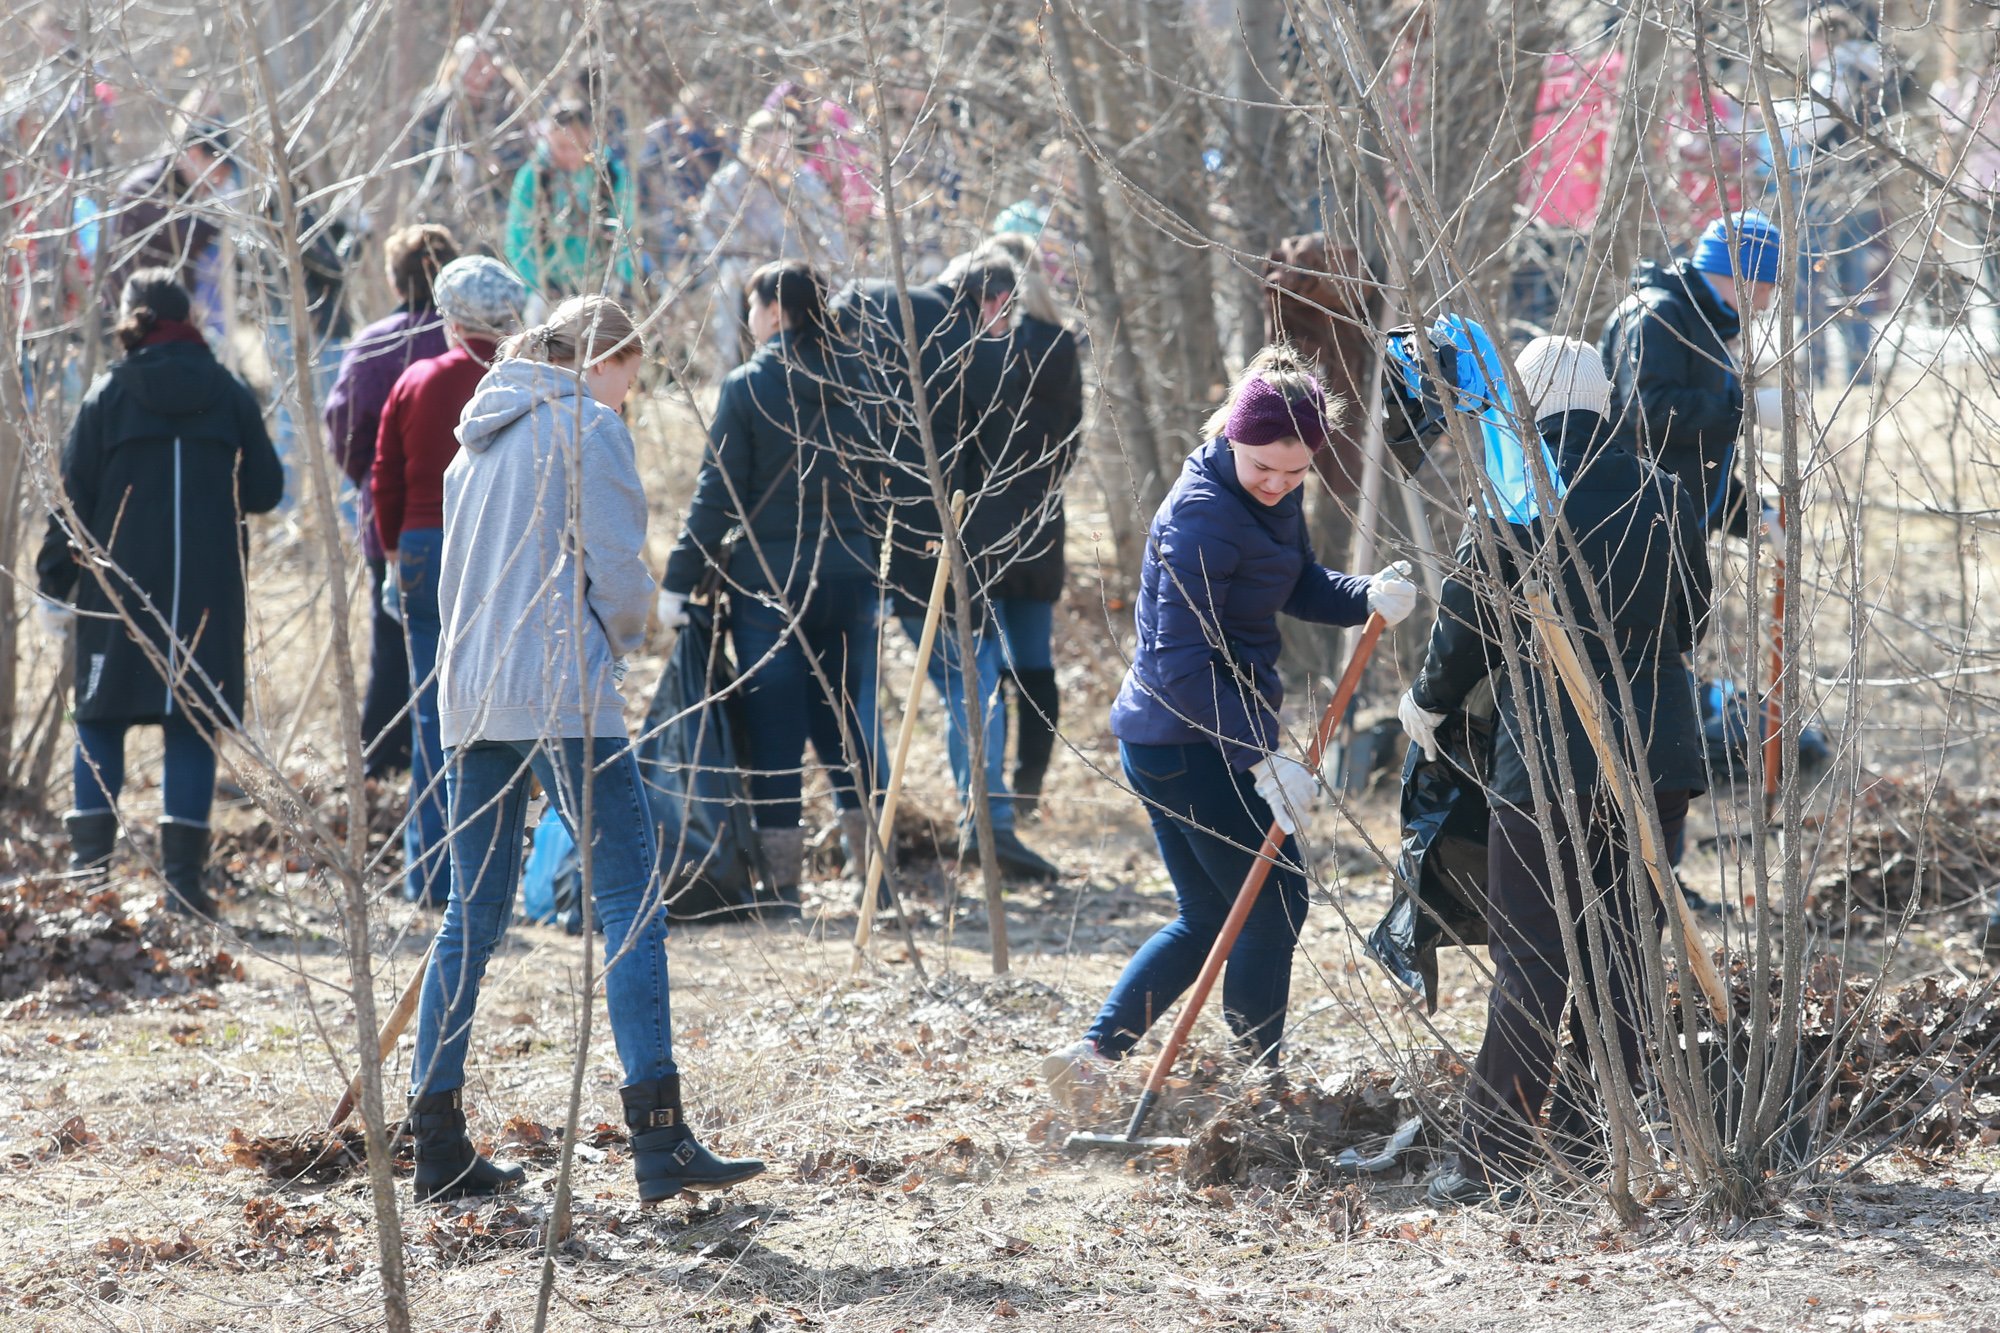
(1671,351)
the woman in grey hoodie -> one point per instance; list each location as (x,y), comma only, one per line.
(542,590)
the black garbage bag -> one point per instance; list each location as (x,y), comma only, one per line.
(1441,871)
(1726,732)
(694,780)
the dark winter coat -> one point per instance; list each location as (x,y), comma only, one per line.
(1219,568)
(167,455)
(1675,395)
(782,418)
(1044,397)
(1627,517)
(964,377)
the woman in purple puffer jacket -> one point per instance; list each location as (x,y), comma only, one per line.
(1197,718)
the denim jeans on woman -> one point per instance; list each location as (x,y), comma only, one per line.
(187,780)
(488,781)
(950,685)
(426,861)
(1209,822)
(785,704)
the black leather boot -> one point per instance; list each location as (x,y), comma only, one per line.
(665,1157)
(184,865)
(447,1165)
(92,836)
(1038,707)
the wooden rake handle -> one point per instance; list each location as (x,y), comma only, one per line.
(1589,700)
(1253,883)
(392,1031)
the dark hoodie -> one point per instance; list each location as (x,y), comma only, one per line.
(785,425)
(1675,395)
(1626,517)
(167,454)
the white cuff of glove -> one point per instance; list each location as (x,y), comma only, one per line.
(618,669)
(392,592)
(1288,787)
(1420,724)
(672,609)
(1391,595)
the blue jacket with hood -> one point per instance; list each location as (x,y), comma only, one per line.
(1219,567)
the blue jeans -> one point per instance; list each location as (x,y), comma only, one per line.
(285,393)
(187,784)
(950,684)
(784,704)
(1027,632)
(1209,822)
(426,861)
(1835,274)
(489,800)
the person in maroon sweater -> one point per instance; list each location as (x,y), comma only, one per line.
(481,301)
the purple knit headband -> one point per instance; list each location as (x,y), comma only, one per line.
(1262,414)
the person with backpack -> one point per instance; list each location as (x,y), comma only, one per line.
(801,576)
(1039,429)
(380,353)
(542,590)
(480,301)
(1625,536)
(570,217)
(143,566)
(1197,716)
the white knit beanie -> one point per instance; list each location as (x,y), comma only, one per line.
(1563,375)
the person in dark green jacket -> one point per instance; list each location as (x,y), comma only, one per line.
(143,565)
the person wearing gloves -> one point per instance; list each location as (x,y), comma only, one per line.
(780,463)
(1632,538)
(1670,350)
(542,589)
(167,455)
(1197,716)
(480,301)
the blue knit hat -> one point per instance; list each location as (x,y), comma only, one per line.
(1756,253)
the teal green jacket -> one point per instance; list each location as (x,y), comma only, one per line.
(553,240)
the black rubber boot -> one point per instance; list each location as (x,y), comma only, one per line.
(1038,707)
(784,858)
(184,864)
(447,1165)
(93,834)
(1018,861)
(665,1157)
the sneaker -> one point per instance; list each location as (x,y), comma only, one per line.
(1452,1187)
(1076,1074)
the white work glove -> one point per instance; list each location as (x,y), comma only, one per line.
(392,593)
(672,609)
(1391,595)
(1770,401)
(55,619)
(1288,787)
(618,669)
(1420,724)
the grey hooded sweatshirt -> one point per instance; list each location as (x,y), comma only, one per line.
(544,488)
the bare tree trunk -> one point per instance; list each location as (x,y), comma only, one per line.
(1255,127)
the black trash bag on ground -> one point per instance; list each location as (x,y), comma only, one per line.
(1441,871)
(694,780)
(1726,731)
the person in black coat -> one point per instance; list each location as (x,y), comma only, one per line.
(963,371)
(781,448)
(1633,542)
(144,560)
(1039,433)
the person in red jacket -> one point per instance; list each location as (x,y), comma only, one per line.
(481,302)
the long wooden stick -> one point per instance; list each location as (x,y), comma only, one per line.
(1774,708)
(1253,883)
(392,1030)
(1589,701)
(864,929)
